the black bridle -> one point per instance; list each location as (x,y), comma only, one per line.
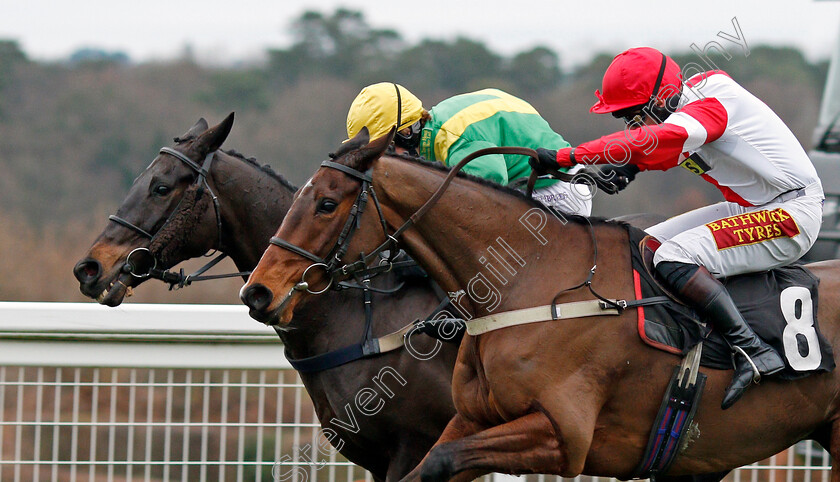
(362,271)
(142,263)
(368,346)
(332,262)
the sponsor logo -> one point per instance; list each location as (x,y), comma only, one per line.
(550,198)
(425,147)
(752,228)
(694,163)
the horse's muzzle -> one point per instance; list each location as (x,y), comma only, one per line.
(87,271)
(257,297)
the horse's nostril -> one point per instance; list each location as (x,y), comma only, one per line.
(87,271)
(257,297)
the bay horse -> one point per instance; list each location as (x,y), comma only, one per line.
(566,397)
(252,201)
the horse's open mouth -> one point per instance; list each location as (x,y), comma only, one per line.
(118,290)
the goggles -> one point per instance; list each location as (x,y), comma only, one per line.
(631,115)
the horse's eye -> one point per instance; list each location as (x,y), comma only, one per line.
(161,190)
(326,206)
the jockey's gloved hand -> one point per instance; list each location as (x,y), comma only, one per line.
(546,159)
(619,176)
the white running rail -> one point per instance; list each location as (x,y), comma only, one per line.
(183,393)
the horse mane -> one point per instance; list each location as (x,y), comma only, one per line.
(263,167)
(576,218)
(250,160)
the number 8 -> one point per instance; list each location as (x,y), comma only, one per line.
(801,325)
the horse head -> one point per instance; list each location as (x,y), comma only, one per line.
(326,226)
(168,216)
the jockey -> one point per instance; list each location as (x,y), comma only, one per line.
(462,125)
(713,127)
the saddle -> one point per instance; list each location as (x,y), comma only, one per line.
(780,305)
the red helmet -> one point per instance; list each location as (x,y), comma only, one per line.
(634,77)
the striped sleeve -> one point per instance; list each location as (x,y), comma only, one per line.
(704,120)
(658,147)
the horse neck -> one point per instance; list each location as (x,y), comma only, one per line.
(252,203)
(478,239)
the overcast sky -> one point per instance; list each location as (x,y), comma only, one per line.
(242,29)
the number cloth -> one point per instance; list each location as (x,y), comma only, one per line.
(723,133)
(780,305)
(468,122)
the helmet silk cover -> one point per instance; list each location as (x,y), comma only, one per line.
(631,77)
(379,107)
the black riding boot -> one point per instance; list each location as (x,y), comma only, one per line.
(751,356)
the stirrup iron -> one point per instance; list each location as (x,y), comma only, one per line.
(756,374)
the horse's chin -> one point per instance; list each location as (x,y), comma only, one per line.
(274,318)
(280,316)
(116,292)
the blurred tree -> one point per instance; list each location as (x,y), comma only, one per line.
(91,56)
(114,153)
(535,70)
(244,89)
(93,129)
(592,72)
(457,66)
(10,53)
(785,64)
(341,45)
(10,57)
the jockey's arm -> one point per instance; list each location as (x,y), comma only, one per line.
(492,167)
(654,147)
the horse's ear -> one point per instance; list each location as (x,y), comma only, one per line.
(194,131)
(381,145)
(364,157)
(213,138)
(359,140)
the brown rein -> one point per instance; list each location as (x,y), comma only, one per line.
(532,179)
(523,151)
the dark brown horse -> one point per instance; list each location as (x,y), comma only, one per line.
(567,397)
(252,201)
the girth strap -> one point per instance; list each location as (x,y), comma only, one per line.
(679,405)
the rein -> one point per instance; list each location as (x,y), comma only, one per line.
(524,151)
(532,179)
(331,263)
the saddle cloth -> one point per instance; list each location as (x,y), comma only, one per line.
(780,305)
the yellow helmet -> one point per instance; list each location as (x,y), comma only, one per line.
(376,107)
